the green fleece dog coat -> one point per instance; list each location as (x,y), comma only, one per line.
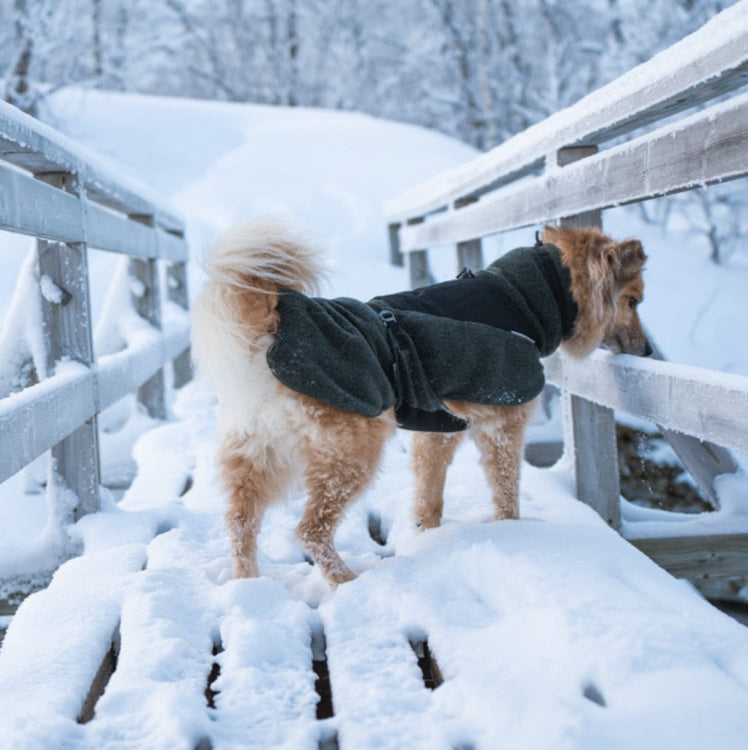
(477,339)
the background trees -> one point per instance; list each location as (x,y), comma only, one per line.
(480,70)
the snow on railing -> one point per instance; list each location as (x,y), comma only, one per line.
(654,131)
(53,190)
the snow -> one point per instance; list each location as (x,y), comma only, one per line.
(550,632)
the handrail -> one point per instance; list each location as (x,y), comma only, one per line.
(54,190)
(672,82)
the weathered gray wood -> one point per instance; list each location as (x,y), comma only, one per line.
(178,293)
(470,255)
(30,206)
(396,257)
(704,149)
(146,300)
(704,556)
(120,234)
(34,420)
(66,320)
(420,274)
(122,372)
(569,155)
(704,460)
(35,147)
(39,417)
(713,406)
(671,82)
(592,445)
(469,252)
(35,207)
(418,263)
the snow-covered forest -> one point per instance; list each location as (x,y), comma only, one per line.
(480,70)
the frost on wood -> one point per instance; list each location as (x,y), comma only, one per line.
(22,354)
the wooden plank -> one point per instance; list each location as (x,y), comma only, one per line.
(396,257)
(709,147)
(707,556)
(704,461)
(29,206)
(122,372)
(145,298)
(39,417)
(469,253)
(420,274)
(591,441)
(178,293)
(708,404)
(35,419)
(671,82)
(109,231)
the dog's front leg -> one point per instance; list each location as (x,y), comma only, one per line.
(432,454)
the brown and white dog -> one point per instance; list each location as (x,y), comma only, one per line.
(272,437)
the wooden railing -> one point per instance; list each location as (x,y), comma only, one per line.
(654,131)
(51,189)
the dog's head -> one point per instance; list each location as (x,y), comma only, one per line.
(607,285)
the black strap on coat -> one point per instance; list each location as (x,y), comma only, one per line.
(405,362)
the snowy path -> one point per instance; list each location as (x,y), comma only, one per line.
(550,632)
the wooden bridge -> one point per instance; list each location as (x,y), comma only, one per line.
(140,641)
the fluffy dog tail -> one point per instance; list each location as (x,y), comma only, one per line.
(264,256)
(235,314)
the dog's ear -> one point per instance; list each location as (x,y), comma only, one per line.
(555,235)
(628,259)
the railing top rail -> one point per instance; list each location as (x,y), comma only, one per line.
(709,404)
(37,148)
(702,66)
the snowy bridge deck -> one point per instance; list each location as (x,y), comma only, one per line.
(549,632)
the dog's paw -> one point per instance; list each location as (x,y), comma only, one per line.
(340,574)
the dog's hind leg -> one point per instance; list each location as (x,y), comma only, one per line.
(500,436)
(339,468)
(252,484)
(432,454)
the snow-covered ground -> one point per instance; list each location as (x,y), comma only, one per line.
(550,632)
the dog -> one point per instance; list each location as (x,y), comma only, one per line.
(272,435)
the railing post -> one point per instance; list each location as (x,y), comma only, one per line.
(589,429)
(67,326)
(418,263)
(146,300)
(470,252)
(396,257)
(178,293)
